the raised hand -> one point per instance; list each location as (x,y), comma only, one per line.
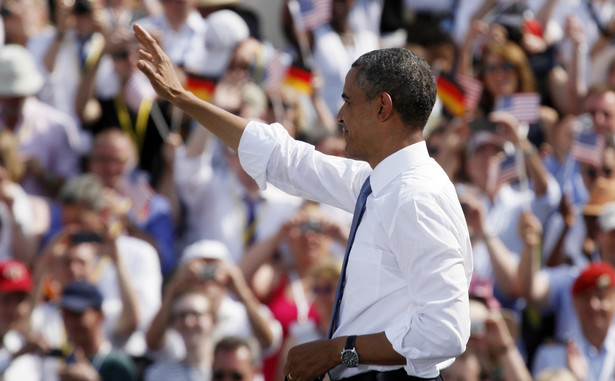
(157,66)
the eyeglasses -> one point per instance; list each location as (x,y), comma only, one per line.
(232,374)
(504,66)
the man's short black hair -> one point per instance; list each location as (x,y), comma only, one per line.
(405,76)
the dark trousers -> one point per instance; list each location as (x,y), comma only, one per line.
(394,375)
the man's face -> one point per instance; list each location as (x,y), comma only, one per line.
(192,318)
(111,157)
(74,214)
(13,309)
(357,118)
(595,309)
(81,326)
(177,11)
(79,262)
(11,108)
(602,109)
(233,365)
(483,165)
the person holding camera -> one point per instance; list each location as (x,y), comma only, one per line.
(278,269)
(207,266)
(83,256)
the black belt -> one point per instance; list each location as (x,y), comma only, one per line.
(393,375)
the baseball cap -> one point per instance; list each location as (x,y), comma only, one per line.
(14,277)
(80,295)
(598,275)
(480,138)
(205,249)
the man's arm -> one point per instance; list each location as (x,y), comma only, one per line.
(155,64)
(311,360)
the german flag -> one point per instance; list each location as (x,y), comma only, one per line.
(299,78)
(451,95)
(202,87)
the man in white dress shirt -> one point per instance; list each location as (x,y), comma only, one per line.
(404,313)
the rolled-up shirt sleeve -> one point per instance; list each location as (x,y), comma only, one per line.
(268,154)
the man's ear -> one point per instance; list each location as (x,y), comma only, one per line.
(385,107)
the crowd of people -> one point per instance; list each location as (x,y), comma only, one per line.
(134,246)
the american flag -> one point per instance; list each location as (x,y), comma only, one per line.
(472,90)
(524,106)
(138,89)
(135,186)
(275,72)
(587,149)
(509,170)
(314,13)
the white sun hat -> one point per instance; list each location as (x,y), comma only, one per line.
(19,76)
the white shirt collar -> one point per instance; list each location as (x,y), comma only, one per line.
(400,161)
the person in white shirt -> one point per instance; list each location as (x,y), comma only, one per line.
(409,269)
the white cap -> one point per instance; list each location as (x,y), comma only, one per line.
(19,76)
(205,249)
(225,30)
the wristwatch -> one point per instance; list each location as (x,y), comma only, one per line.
(350,357)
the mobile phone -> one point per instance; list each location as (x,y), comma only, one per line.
(477,327)
(85,236)
(483,124)
(311,225)
(55,352)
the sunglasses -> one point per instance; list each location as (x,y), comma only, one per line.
(183,315)
(505,66)
(594,173)
(232,374)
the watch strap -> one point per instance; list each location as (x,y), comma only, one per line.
(350,342)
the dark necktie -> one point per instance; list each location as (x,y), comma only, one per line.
(359,209)
(249,234)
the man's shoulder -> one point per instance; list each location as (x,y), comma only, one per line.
(35,108)
(118,366)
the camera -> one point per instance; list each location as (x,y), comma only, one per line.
(85,237)
(311,225)
(208,272)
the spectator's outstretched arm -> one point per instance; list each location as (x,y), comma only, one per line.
(155,64)
(128,320)
(86,88)
(534,287)
(166,183)
(261,325)
(509,357)
(536,170)
(62,15)
(502,262)
(558,256)
(577,85)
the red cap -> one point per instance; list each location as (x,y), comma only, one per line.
(14,277)
(598,275)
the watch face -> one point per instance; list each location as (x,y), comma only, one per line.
(350,358)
